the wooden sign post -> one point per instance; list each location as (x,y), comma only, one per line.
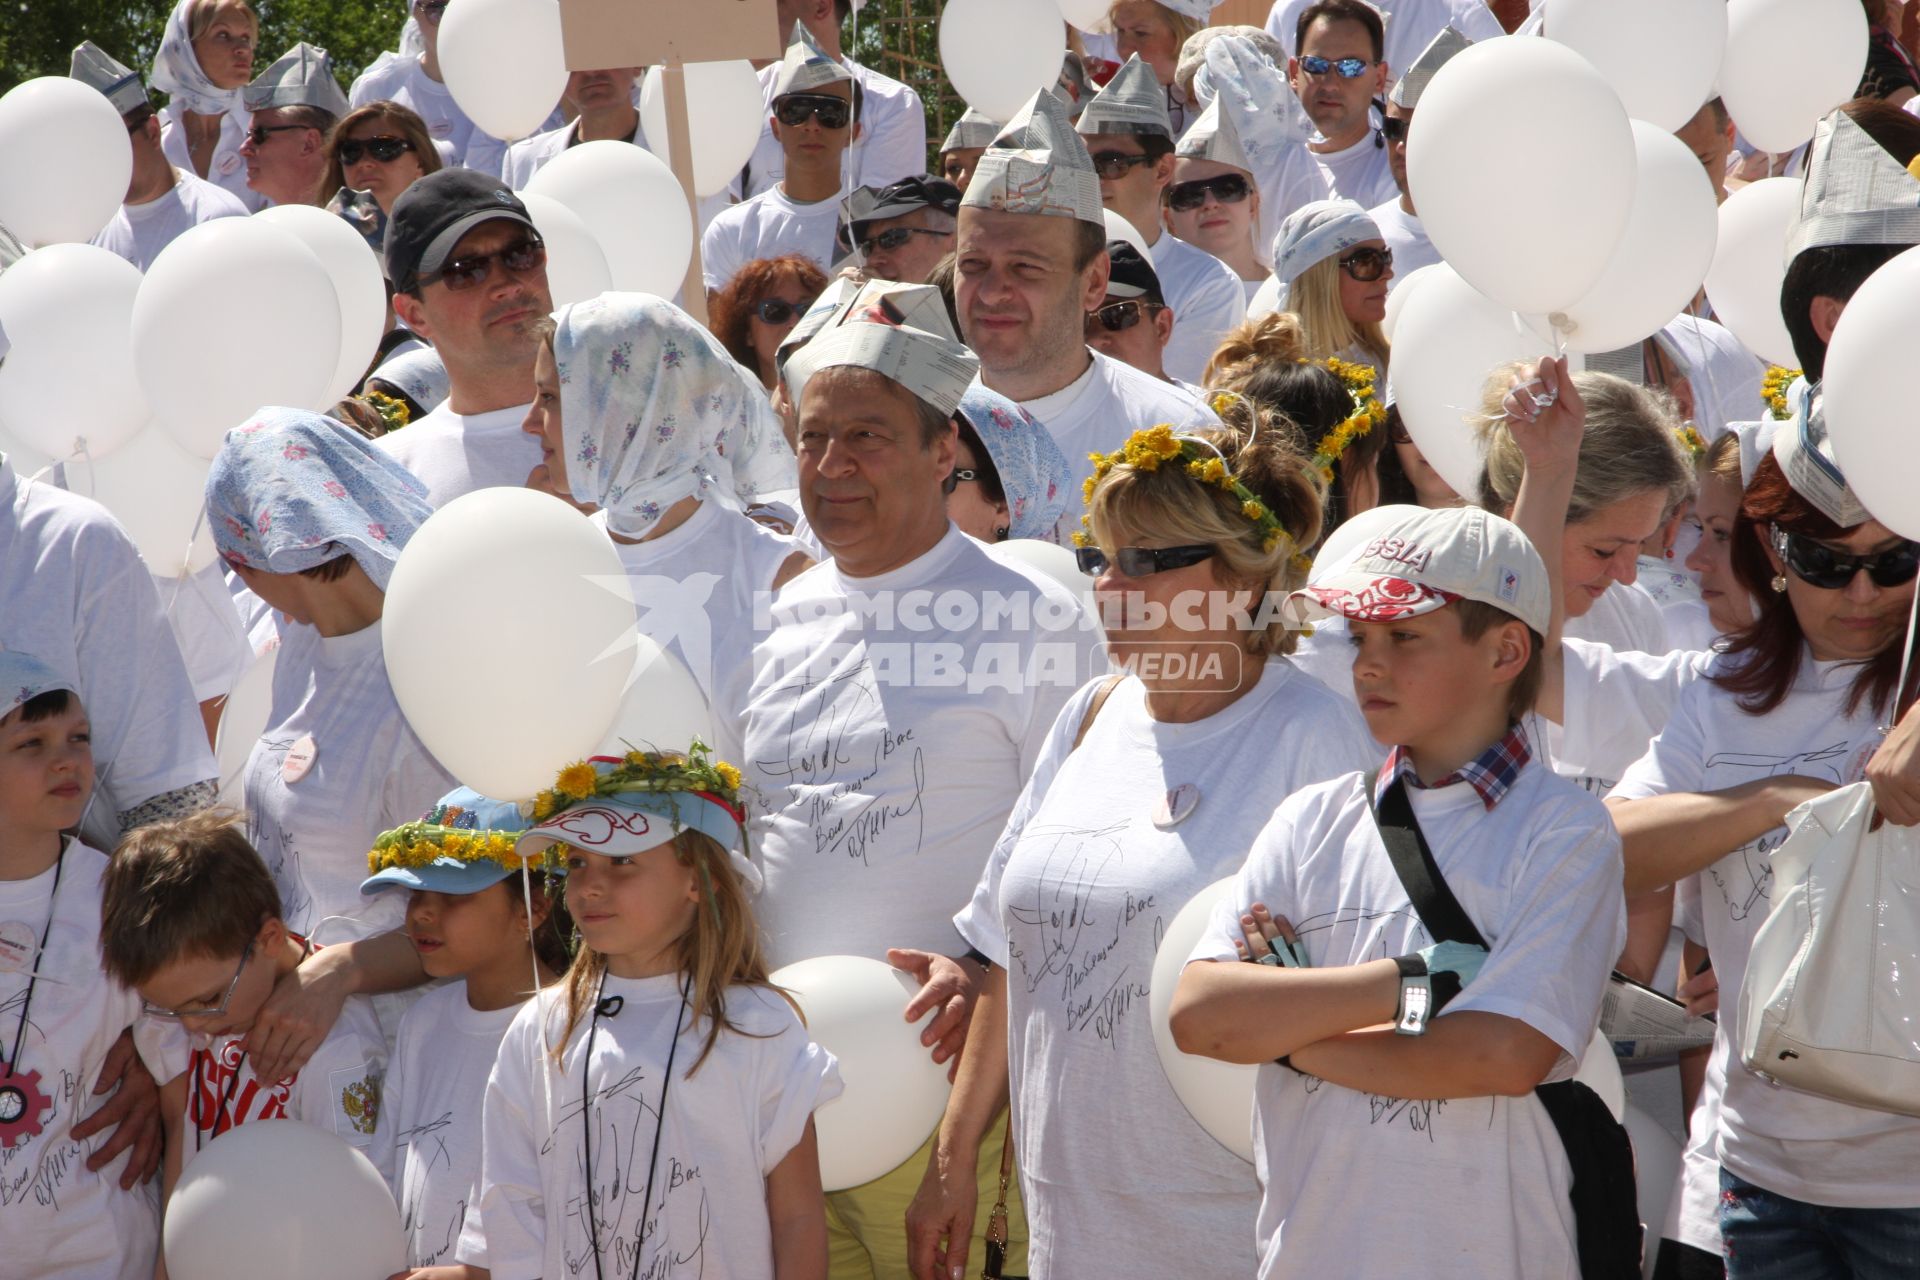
(670,34)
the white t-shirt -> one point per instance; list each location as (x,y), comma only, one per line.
(1471,1186)
(1411,26)
(1360,173)
(891,725)
(138,232)
(405,81)
(75,594)
(1073,905)
(207,625)
(455,453)
(893,134)
(228,168)
(1207,300)
(1406,235)
(727,1127)
(57,1217)
(1796,1144)
(434,1089)
(1624,617)
(768,226)
(1106,404)
(1290,177)
(369,773)
(700,588)
(1614,702)
(339,1090)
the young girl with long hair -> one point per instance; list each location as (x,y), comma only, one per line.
(652,1114)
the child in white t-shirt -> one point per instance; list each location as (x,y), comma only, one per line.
(1388,1144)
(472,916)
(652,1114)
(57,1018)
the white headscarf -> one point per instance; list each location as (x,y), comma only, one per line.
(653,410)
(177,72)
(1317,231)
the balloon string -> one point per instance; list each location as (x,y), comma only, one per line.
(1906,663)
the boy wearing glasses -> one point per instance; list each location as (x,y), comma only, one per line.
(816,116)
(190,918)
(1397,219)
(1339,68)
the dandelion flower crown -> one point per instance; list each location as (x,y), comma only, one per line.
(693,773)
(1691,440)
(449,831)
(1773,390)
(1368,413)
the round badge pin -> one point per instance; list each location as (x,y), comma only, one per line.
(18,942)
(299,761)
(1176,805)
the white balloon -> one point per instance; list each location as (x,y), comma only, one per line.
(1869,396)
(359,285)
(1521,162)
(1660,56)
(1119,228)
(1218,1095)
(1088,15)
(157,491)
(242,721)
(1749,264)
(68,381)
(894,1092)
(1403,287)
(1788,63)
(65,160)
(1657,1158)
(724,115)
(999,53)
(1663,256)
(1450,338)
(503,62)
(233,315)
(1600,1071)
(27,461)
(632,204)
(662,709)
(555,673)
(576,265)
(284,1190)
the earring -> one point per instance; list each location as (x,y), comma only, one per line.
(1779,584)
(1000,532)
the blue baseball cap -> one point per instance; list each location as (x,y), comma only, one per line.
(462,845)
(24,677)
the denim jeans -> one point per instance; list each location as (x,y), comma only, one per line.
(1771,1237)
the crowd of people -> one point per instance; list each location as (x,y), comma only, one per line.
(1465,757)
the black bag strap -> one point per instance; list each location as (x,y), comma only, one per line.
(1419,874)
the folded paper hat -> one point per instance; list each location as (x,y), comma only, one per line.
(1428,561)
(1038,165)
(1855,193)
(462,845)
(1214,137)
(1804,451)
(1406,94)
(1133,102)
(806,66)
(935,369)
(971,130)
(92,65)
(815,317)
(300,77)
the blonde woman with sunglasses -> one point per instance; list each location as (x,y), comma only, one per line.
(1336,268)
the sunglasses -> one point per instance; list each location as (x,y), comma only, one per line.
(460,274)
(1138,562)
(1346,68)
(212,1010)
(895,237)
(796,109)
(259,134)
(1118,317)
(778,310)
(383,149)
(1113,165)
(1819,565)
(1228,188)
(1367,264)
(1394,130)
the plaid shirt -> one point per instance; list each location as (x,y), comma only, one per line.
(1492,773)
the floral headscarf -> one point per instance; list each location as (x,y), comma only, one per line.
(177,73)
(653,410)
(291,490)
(1033,472)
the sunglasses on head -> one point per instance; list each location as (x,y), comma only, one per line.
(383,149)
(1394,130)
(1138,562)
(895,237)
(1113,165)
(796,109)
(471,270)
(1118,317)
(778,310)
(1228,188)
(1346,68)
(1819,565)
(259,133)
(1366,265)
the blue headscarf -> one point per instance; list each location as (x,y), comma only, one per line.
(292,490)
(1033,472)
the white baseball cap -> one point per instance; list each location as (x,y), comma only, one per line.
(1426,562)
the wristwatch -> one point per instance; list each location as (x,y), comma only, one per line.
(1416,997)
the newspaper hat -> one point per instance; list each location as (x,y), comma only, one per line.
(971,130)
(1804,451)
(815,317)
(464,844)
(1214,137)
(24,677)
(1133,275)
(1406,94)
(1316,231)
(1855,192)
(1133,102)
(92,65)
(806,66)
(936,369)
(300,77)
(1426,562)
(1038,165)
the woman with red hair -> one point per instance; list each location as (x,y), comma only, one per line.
(760,306)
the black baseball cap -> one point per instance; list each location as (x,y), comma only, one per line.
(867,206)
(1133,276)
(431,215)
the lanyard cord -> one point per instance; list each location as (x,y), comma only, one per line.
(12,1061)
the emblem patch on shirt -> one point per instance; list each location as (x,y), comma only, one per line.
(359,1092)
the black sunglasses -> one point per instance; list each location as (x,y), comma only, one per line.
(459,274)
(383,149)
(777,310)
(1394,130)
(1819,565)
(894,237)
(259,133)
(1113,165)
(1138,562)
(796,109)
(1367,264)
(1228,188)
(1118,317)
